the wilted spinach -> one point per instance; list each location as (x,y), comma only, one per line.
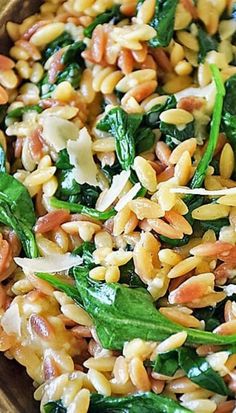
(228,124)
(206,44)
(17,211)
(107,16)
(72,74)
(73,54)
(163,22)
(54,407)
(173,135)
(135,403)
(166,363)
(144,140)
(61,41)
(152,117)
(82,209)
(128,275)
(63,160)
(215,225)
(85,251)
(19,112)
(123,127)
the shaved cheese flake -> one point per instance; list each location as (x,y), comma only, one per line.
(203,191)
(128,197)
(81,157)
(229,289)
(109,195)
(11,320)
(57,131)
(52,263)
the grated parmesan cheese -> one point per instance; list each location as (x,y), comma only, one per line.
(204,92)
(57,131)
(230,289)
(108,196)
(203,191)
(128,197)
(81,156)
(52,263)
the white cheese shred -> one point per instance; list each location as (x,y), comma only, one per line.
(128,197)
(203,191)
(109,196)
(52,263)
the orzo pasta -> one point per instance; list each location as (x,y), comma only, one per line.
(117,205)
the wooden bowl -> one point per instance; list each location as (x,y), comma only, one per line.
(16,389)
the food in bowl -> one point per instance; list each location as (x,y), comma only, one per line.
(118,205)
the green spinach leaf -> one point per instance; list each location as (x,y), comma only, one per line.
(73,54)
(144,140)
(107,16)
(229,111)
(123,127)
(152,117)
(163,22)
(135,403)
(19,112)
(206,44)
(122,314)
(206,159)
(173,136)
(54,407)
(216,224)
(166,363)
(62,285)
(200,372)
(82,209)
(85,251)
(63,160)
(128,275)
(61,41)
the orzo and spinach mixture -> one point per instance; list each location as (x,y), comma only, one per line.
(118,205)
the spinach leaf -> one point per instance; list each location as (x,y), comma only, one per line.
(54,407)
(17,211)
(72,74)
(63,160)
(173,135)
(61,41)
(19,112)
(85,251)
(206,44)
(152,117)
(166,363)
(144,140)
(82,209)
(16,196)
(89,195)
(110,171)
(62,285)
(135,403)
(122,314)
(200,372)
(229,111)
(22,229)
(216,225)
(107,16)
(2,160)
(206,159)
(67,185)
(163,22)
(128,275)
(73,54)
(123,127)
